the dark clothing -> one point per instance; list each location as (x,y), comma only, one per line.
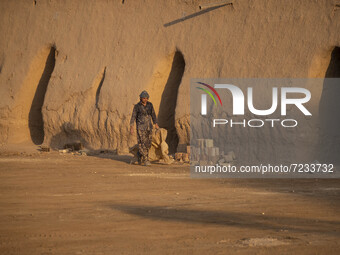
(144,138)
(143,116)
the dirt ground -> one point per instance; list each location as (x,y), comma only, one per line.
(53,203)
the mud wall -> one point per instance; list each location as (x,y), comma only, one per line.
(71,71)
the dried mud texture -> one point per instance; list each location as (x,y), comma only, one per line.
(72,72)
(55,203)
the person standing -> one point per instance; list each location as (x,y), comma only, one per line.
(143,115)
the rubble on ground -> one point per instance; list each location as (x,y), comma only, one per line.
(205,153)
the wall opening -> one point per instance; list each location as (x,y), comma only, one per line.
(333,70)
(166,114)
(35,119)
(329,137)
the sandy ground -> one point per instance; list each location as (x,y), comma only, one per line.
(68,204)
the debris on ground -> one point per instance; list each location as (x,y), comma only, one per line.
(266,242)
(64,151)
(82,152)
(74,146)
(206,153)
(44,148)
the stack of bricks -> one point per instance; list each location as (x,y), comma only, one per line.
(205,151)
(184,154)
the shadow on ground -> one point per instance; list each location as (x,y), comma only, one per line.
(237,219)
(122,158)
